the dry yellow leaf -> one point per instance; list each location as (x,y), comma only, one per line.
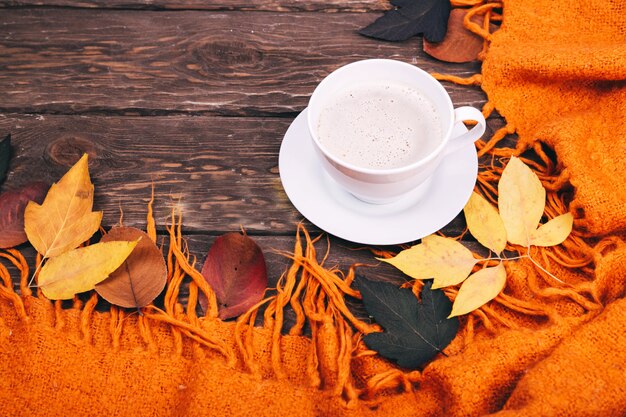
(521,200)
(445,260)
(485,223)
(480,288)
(554,232)
(81,269)
(65,219)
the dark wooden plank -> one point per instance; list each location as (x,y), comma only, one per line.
(223,172)
(230,63)
(265,5)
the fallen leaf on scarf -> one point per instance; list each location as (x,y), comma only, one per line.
(65,219)
(141,277)
(410,18)
(480,288)
(484,223)
(414,332)
(5,156)
(79,270)
(12,206)
(554,232)
(445,260)
(521,200)
(235,269)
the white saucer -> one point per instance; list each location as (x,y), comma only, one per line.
(336,211)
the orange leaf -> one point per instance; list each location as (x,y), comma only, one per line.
(142,276)
(459,44)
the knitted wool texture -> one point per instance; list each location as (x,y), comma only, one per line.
(557,71)
(541,348)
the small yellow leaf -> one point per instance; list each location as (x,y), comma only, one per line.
(478,289)
(521,201)
(485,223)
(81,269)
(554,232)
(445,260)
(65,219)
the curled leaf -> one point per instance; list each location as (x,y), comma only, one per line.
(480,288)
(521,200)
(81,269)
(553,232)
(12,205)
(140,278)
(445,260)
(5,156)
(65,219)
(235,269)
(459,44)
(485,223)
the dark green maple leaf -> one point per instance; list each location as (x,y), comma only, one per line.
(414,332)
(409,18)
(5,156)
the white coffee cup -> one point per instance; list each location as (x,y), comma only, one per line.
(380,186)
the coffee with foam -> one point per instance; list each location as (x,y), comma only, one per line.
(379,125)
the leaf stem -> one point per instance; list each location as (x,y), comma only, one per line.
(545,270)
(502,258)
(30,283)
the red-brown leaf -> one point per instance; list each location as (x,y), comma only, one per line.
(12,206)
(459,44)
(235,269)
(142,276)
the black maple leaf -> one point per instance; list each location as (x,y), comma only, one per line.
(414,332)
(409,18)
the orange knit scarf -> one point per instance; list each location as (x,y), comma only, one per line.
(555,71)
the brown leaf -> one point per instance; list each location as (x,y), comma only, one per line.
(142,276)
(459,44)
(235,269)
(12,206)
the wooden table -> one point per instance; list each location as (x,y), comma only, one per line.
(193,96)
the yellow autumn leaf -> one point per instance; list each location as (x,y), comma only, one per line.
(65,219)
(445,260)
(480,288)
(81,269)
(485,223)
(521,200)
(554,232)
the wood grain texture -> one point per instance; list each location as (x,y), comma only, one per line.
(72,61)
(222,171)
(252,5)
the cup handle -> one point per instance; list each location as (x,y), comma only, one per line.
(461,114)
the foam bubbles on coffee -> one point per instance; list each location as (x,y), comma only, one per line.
(379,126)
